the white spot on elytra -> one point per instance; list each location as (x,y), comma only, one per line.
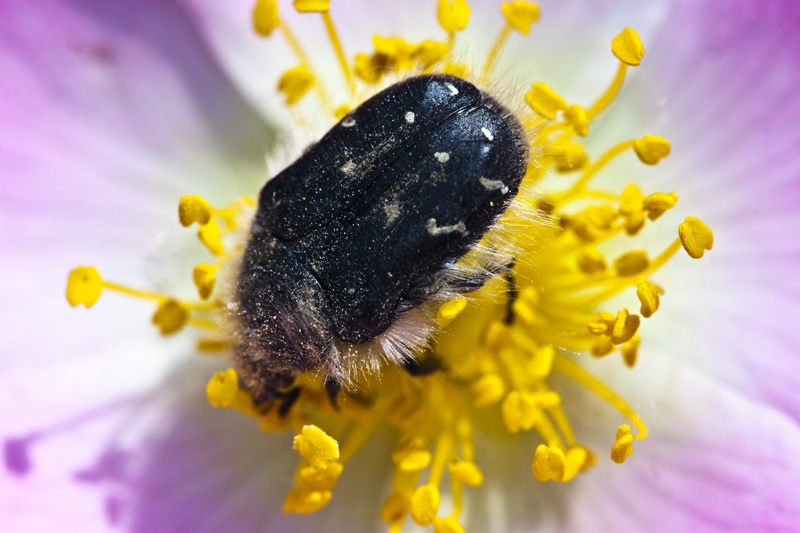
(351,291)
(348,122)
(392,212)
(410,117)
(451,88)
(348,167)
(443,157)
(433,229)
(494,185)
(487,134)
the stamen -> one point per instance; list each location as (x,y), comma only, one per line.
(520,15)
(466,472)
(695,237)
(193,209)
(337,46)
(564,365)
(453,16)
(265,17)
(84,286)
(630,351)
(545,100)
(204,276)
(210,236)
(450,310)
(628,47)
(631,263)
(648,294)
(548,463)
(295,83)
(223,388)
(317,447)
(170,316)
(623,444)
(658,203)
(425,504)
(323,6)
(447,525)
(301,55)
(651,149)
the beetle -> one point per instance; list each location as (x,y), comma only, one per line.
(355,244)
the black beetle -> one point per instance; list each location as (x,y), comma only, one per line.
(351,240)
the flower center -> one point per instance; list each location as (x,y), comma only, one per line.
(498,347)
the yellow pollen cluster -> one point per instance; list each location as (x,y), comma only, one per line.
(499,346)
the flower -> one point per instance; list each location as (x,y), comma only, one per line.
(112,115)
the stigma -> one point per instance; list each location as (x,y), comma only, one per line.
(546,266)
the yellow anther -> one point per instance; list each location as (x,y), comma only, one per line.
(657,203)
(193,209)
(545,101)
(265,16)
(548,463)
(273,421)
(424,504)
(623,445)
(628,47)
(602,324)
(648,294)
(204,276)
(341,111)
(311,479)
(170,316)
(84,286)
(369,68)
(210,236)
(466,472)
(429,52)
(450,310)
(306,502)
(631,263)
(223,388)
(569,157)
(496,336)
(394,52)
(651,149)
(600,216)
(412,456)
(524,312)
(244,404)
(295,83)
(520,15)
(591,261)
(542,362)
(695,237)
(312,6)
(630,350)
(625,327)
(395,507)
(519,411)
(453,15)
(576,116)
(447,525)
(488,390)
(630,207)
(459,70)
(602,346)
(574,462)
(212,345)
(544,399)
(317,447)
